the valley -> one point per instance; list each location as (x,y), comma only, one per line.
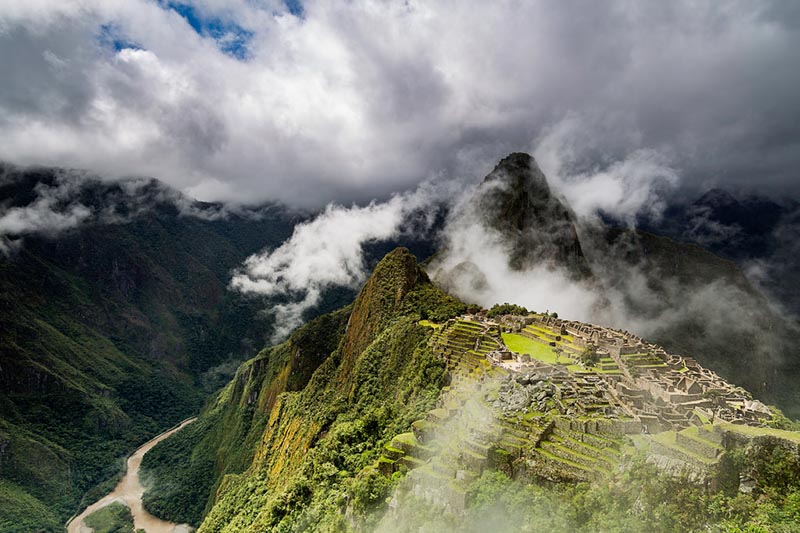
(129,492)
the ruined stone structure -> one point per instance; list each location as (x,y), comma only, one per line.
(661,390)
(563,416)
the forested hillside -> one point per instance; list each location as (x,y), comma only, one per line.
(111,332)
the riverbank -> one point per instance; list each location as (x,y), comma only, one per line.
(129,492)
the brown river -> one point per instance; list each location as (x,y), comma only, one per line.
(129,492)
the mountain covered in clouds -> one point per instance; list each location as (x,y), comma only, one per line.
(515,199)
(759,233)
(517,241)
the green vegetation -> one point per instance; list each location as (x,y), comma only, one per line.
(184,471)
(589,356)
(111,334)
(113,518)
(756,432)
(641,499)
(286,455)
(22,512)
(537,350)
(506,309)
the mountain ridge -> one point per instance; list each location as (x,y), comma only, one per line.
(331,457)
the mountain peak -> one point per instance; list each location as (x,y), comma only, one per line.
(382,296)
(515,199)
(521,173)
(717,198)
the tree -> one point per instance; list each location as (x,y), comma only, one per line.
(589,356)
(506,309)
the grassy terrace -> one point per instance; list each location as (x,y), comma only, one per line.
(644,360)
(542,352)
(548,336)
(792,436)
(538,330)
(429,324)
(668,439)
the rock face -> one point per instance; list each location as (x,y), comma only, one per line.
(516,200)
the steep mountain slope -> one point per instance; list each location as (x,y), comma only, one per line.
(759,233)
(515,199)
(309,443)
(111,332)
(435,424)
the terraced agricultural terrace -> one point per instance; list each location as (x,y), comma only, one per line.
(525,398)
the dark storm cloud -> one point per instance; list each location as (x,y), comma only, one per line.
(356,100)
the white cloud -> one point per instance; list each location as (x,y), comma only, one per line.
(359,99)
(326,252)
(623,188)
(53,210)
(56,204)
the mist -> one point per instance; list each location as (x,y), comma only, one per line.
(328,251)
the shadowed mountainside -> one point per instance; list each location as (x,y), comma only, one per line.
(112,331)
(515,199)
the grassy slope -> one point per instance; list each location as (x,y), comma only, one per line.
(114,518)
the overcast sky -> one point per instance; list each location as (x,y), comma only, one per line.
(250,100)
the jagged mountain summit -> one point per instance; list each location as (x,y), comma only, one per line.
(515,200)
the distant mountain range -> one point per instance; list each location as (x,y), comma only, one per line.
(762,235)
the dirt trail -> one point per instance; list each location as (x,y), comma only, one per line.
(129,492)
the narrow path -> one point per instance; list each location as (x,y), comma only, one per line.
(129,492)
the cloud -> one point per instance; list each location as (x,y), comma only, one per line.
(53,210)
(474,265)
(328,252)
(635,185)
(350,101)
(61,200)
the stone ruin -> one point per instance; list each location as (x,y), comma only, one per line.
(660,390)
